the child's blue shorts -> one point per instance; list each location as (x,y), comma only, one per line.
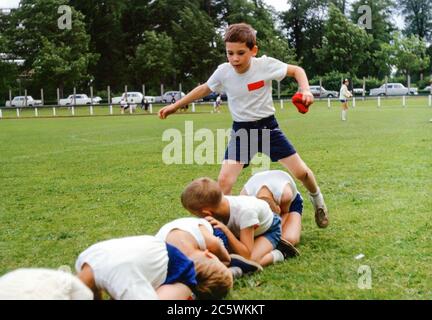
(264,136)
(274,233)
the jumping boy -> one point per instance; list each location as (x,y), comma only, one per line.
(252,229)
(247,81)
(147,268)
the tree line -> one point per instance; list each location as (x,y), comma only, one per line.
(135,42)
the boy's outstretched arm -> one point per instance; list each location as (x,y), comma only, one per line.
(299,74)
(197,93)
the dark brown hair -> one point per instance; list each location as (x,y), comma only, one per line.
(241,32)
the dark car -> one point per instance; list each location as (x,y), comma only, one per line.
(212,96)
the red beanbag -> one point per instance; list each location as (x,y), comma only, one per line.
(297,100)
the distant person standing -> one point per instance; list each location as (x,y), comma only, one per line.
(344,95)
(145,104)
(218,103)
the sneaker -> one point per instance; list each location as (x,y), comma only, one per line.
(321,213)
(287,249)
(246,266)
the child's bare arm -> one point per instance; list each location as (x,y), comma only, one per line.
(197,93)
(176,291)
(215,246)
(236,245)
(299,74)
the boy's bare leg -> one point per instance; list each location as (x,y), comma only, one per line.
(228,174)
(261,251)
(291,227)
(301,171)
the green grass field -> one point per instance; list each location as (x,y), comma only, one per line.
(67,183)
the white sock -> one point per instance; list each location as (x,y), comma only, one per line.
(277,256)
(317,198)
(236,272)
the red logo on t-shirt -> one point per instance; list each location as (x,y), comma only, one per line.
(256,85)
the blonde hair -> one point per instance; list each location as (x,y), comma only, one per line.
(241,32)
(201,193)
(213,277)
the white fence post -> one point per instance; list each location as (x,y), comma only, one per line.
(111,109)
(379,101)
(328,103)
(151,108)
(36,112)
(1,113)
(91,110)
(54,111)
(430,100)
(73,110)
(281,104)
(193,106)
(354,102)
(18,113)
(404,101)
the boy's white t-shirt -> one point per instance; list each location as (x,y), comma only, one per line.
(250,93)
(127,268)
(274,180)
(247,211)
(190,225)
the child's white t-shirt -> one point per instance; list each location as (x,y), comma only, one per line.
(274,180)
(127,268)
(42,284)
(250,93)
(190,225)
(247,211)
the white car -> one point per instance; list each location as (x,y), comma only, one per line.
(359,91)
(321,92)
(393,89)
(20,101)
(169,96)
(79,100)
(428,88)
(132,97)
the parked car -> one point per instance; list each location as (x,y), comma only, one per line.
(393,89)
(212,96)
(168,96)
(359,91)
(321,92)
(97,99)
(20,101)
(427,89)
(132,97)
(80,99)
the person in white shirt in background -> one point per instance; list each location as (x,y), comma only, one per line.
(344,95)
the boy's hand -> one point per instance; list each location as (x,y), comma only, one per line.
(298,101)
(216,223)
(308,98)
(166,111)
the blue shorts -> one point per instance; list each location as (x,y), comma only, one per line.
(264,136)
(297,204)
(274,233)
(343,100)
(221,235)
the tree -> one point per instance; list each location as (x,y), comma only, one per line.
(34,30)
(153,63)
(381,32)
(104,24)
(303,24)
(344,44)
(418,17)
(408,54)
